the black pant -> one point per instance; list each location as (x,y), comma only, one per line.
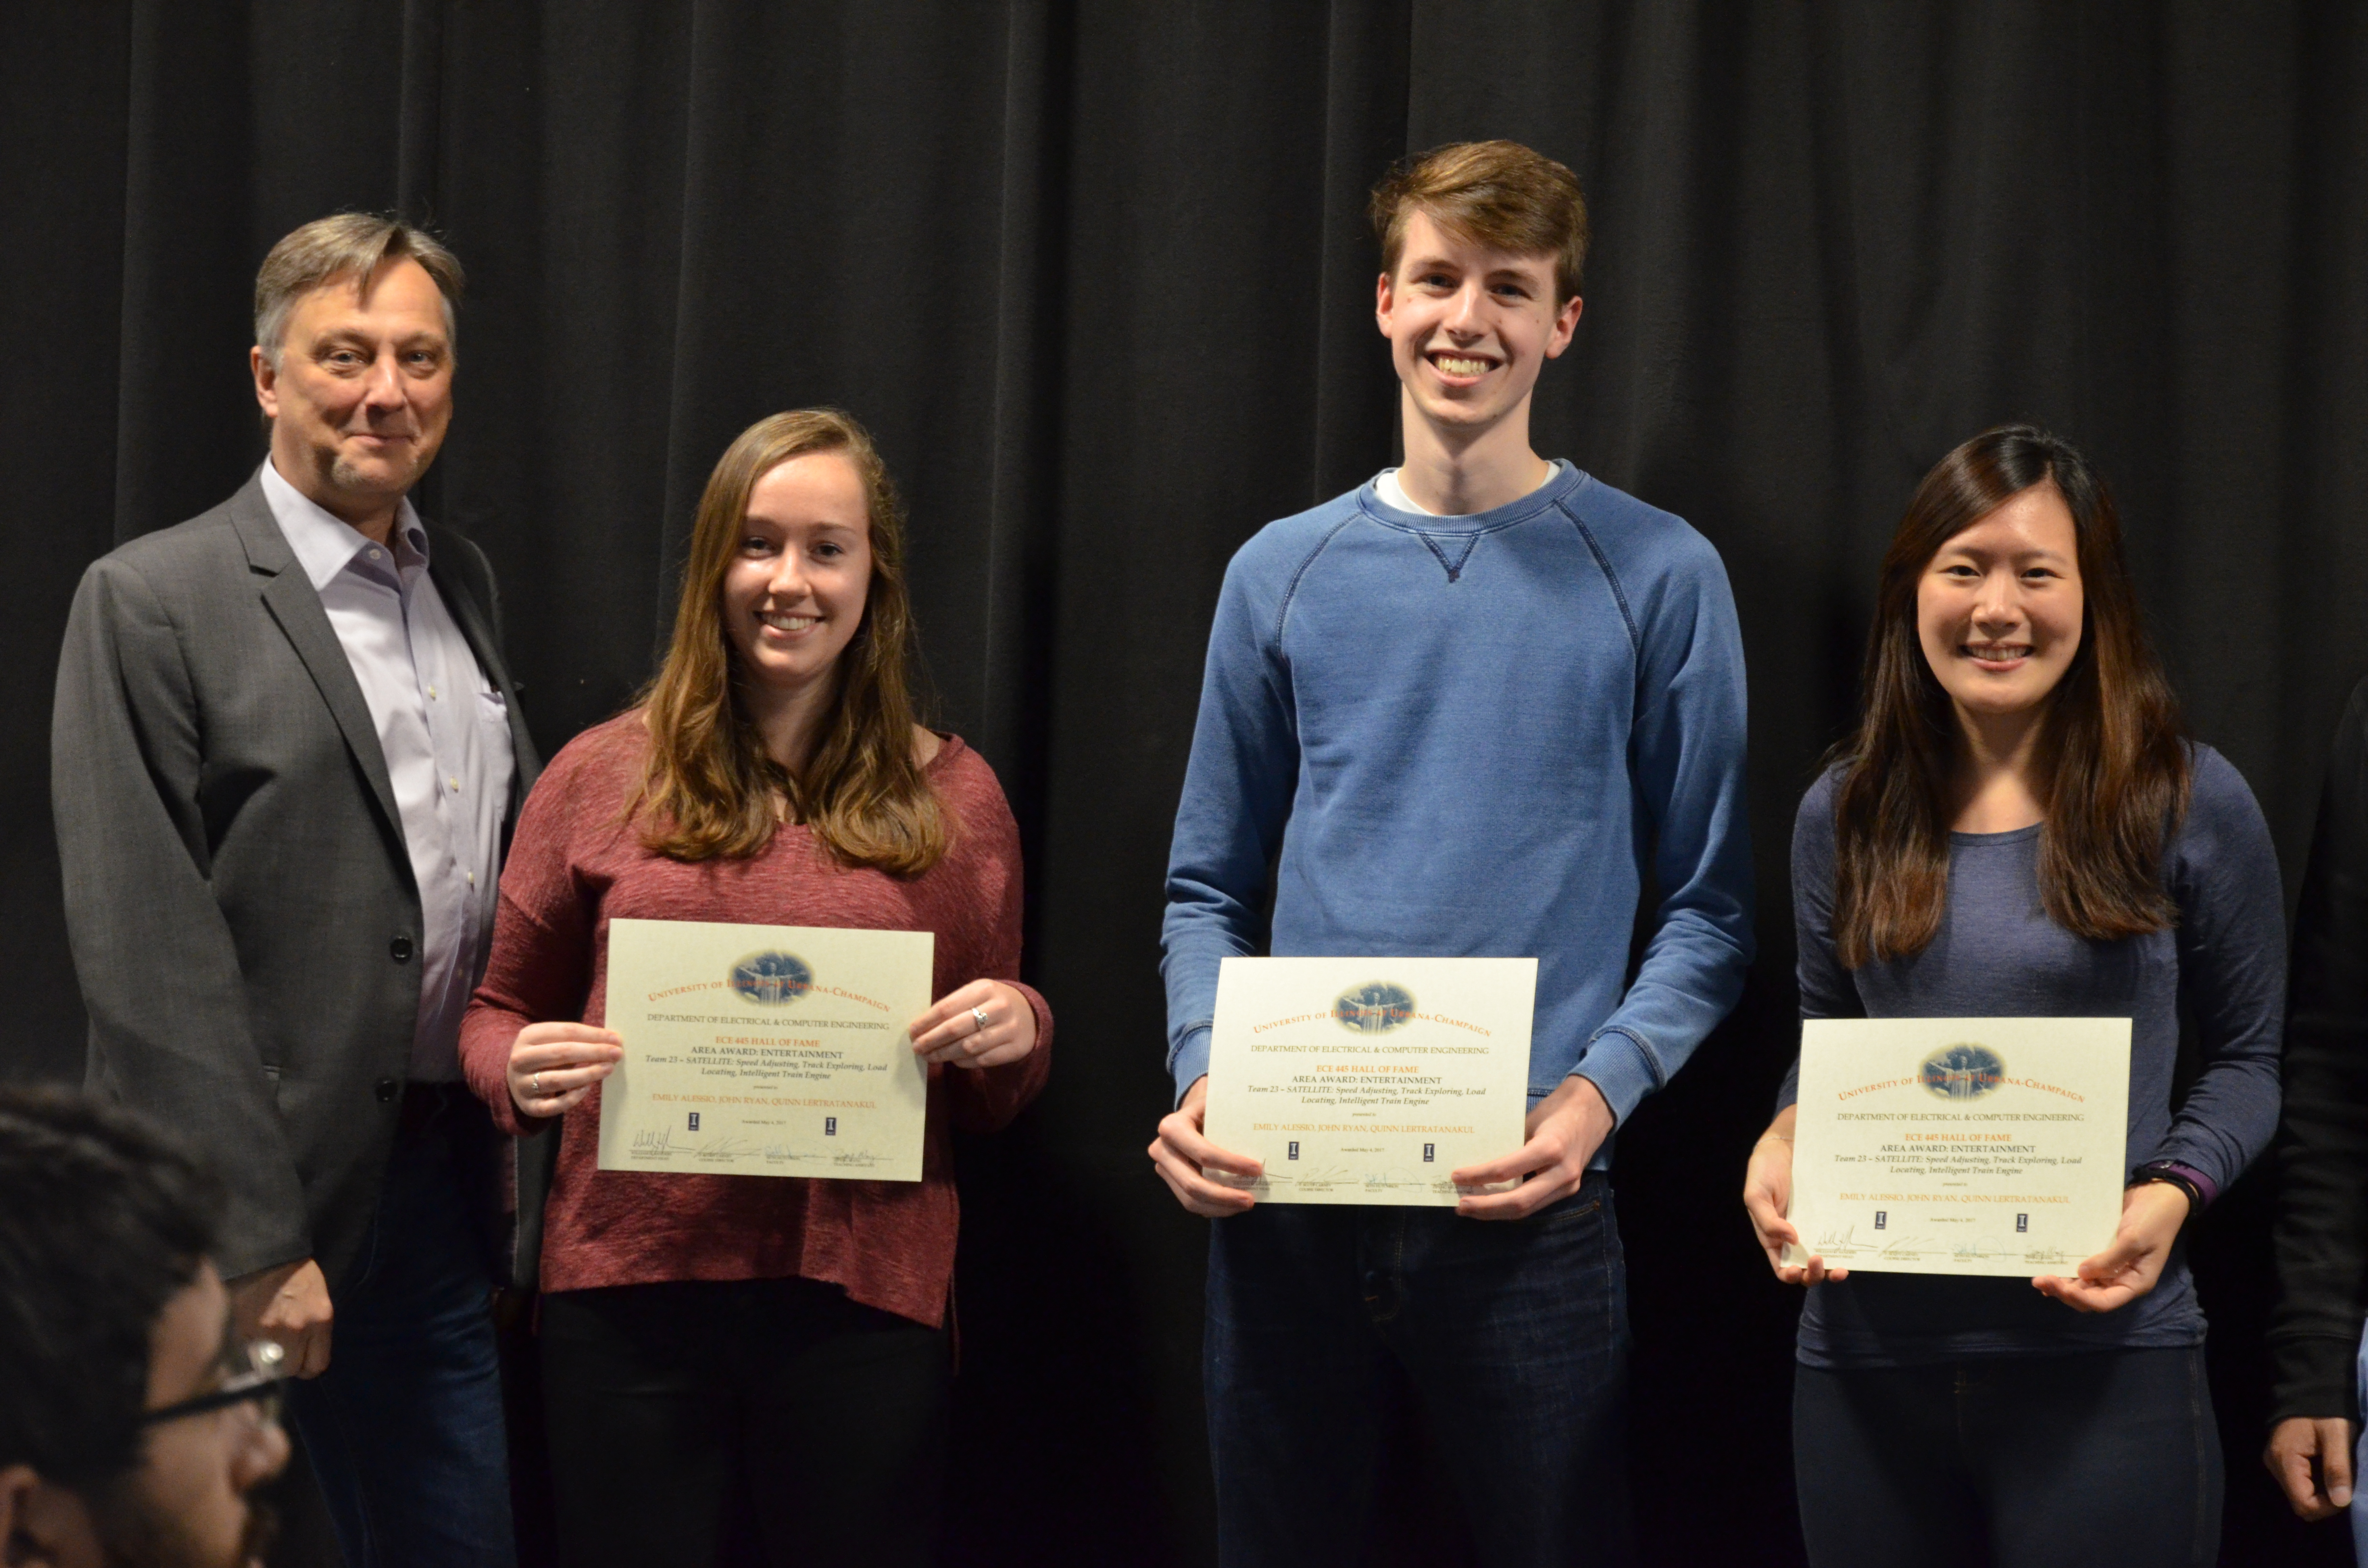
(659,1396)
(2107,1457)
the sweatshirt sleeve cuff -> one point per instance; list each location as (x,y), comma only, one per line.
(1191,1059)
(2314,1376)
(1615,1063)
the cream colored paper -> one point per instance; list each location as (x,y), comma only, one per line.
(1368,1080)
(1961,1145)
(766,1051)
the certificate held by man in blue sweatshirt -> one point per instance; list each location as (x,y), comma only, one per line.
(1366,1080)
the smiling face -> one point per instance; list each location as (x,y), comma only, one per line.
(794,591)
(1998,609)
(361,392)
(1469,327)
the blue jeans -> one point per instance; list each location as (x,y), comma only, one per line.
(1513,1335)
(404,1429)
(2009,1461)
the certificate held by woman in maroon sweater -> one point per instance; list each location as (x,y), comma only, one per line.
(766,1051)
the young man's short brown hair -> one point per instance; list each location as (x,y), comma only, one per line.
(1499,193)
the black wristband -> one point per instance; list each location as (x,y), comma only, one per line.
(2165,1174)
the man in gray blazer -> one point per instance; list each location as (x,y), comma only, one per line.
(286,754)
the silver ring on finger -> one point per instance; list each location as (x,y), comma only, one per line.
(978,1015)
(534,1082)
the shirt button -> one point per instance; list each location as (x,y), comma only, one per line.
(472,876)
(386,1089)
(431,693)
(378,554)
(455,783)
(399,950)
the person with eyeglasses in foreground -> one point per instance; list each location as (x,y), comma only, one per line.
(134,1427)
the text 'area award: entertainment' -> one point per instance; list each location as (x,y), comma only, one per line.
(766,1051)
(1362,1080)
(1960,1145)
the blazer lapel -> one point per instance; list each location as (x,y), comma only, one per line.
(470,619)
(287,595)
(461,598)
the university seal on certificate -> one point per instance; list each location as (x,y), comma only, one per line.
(1369,1080)
(765,1050)
(1960,1145)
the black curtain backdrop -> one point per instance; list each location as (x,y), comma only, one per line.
(1098,278)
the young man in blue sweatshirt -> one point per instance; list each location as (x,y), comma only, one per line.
(1461,710)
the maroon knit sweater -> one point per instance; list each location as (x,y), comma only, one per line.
(574,865)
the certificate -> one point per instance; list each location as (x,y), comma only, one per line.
(1960,1145)
(766,1051)
(1368,1080)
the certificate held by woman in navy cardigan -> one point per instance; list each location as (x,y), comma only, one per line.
(1359,1080)
(766,1051)
(1960,1145)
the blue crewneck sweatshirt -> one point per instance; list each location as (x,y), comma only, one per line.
(1463,737)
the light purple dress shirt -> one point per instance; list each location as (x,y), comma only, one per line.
(444,733)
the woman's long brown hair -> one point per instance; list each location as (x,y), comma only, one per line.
(2111,753)
(712,791)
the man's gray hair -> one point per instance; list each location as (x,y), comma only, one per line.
(353,245)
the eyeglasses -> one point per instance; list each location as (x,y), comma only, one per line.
(257,1383)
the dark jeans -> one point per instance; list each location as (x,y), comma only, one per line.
(1514,1336)
(2107,1457)
(661,1397)
(404,1429)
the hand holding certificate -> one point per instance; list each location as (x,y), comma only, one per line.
(1952,1146)
(765,1050)
(1352,1080)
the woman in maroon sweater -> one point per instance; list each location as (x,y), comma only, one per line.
(699,1328)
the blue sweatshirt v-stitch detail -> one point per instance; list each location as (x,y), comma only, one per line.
(1454,567)
(1475,765)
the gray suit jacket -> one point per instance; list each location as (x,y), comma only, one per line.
(245,922)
